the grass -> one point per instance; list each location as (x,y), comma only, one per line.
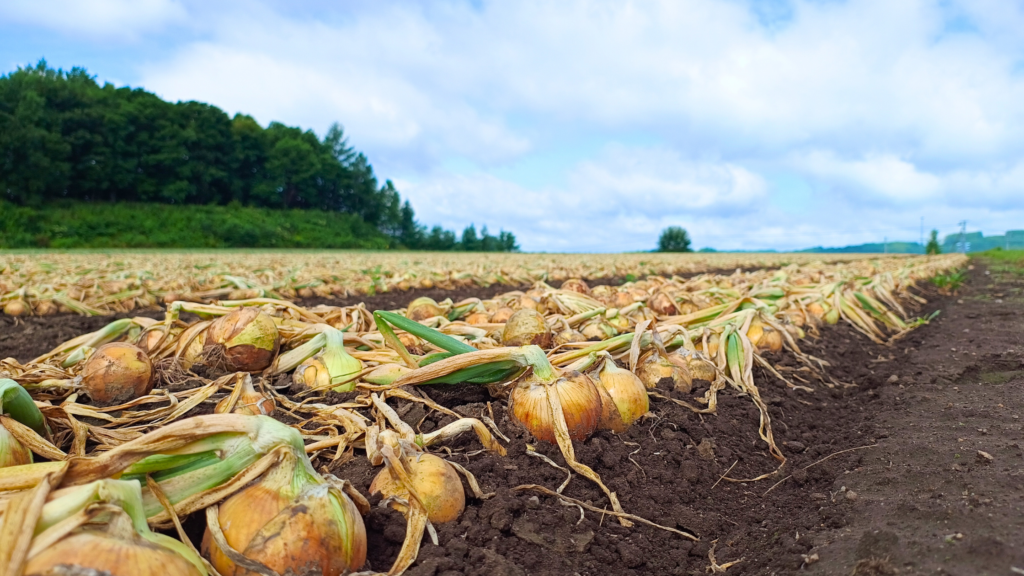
(101,225)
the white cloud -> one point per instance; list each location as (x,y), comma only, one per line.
(121,19)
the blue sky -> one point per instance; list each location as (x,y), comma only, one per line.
(590,125)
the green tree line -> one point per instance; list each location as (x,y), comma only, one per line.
(64,139)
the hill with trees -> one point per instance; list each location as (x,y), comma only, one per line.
(68,144)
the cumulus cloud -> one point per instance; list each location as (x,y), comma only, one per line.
(887,111)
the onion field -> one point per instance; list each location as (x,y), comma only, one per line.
(256,413)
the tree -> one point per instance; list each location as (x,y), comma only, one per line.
(470,242)
(674,239)
(933,244)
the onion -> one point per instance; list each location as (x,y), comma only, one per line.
(12,452)
(332,365)
(116,373)
(598,329)
(525,302)
(700,368)
(580,400)
(245,294)
(477,318)
(245,399)
(653,368)
(568,336)
(627,394)
(435,481)
(575,285)
(246,337)
(385,374)
(291,523)
(17,308)
(501,315)
(423,308)
(46,308)
(763,336)
(526,327)
(662,304)
(113,553)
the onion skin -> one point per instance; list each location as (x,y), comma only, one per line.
(12,452)
(250,402)
(627,394)
(579,397)
(501,315)
(17,308)
(247,337)
(116,373)
(318,531)
(93,552)
(567,336)
(423,308)
(662,304)
(576,285)
(46,308)
(653,368)
(526,327)
(436,482)
(477,318)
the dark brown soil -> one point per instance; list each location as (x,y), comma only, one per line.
(883,475)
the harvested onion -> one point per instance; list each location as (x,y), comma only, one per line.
(580,400)
(627,394)
(246,337)
(526,327)
(423,308)
(117,372)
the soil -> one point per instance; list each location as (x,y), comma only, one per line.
(884,473)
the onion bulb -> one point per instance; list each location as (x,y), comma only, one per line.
(117,372)
(245,399)
(700,368)
(568,336)
(575,285)
(423,308)
(247,338)
(579,397)
(292,522)
(627,394)
(477,318)
(526,327)
(763,336)
(46,308)
(435,481)
(12,451)
(653,368)
(598,329)
(501,315)
(662,304)
(17,308)
(332,365)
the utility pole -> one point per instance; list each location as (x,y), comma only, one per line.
(963,236)
(922,235)
(885,244)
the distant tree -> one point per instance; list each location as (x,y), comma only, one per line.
(507,241)
(674,239)
(470,242)
(933,244)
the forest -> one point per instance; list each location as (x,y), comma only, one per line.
(72,145)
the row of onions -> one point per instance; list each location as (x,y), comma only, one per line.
(109,436)
(97,284)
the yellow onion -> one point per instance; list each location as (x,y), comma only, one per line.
(832,316)
(246,337)
(653,368)
(663,304)
(435,481)
(332,365)
(477,318)
(426,283)
(171,297)
(816,309)
(700,368)
(113,552)
(526,327)
(245,399)
(598,329)
(712,348)
(117,372)
(292,522)
(17,308)
(46,308)
(627,394)
(617,320)
(527,302)
(575,285)
(501,315)
(568,336)
(423,308)
(12,451)
(577,394)
(306,292)
(763,336)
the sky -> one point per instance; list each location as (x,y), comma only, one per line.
(589,126)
